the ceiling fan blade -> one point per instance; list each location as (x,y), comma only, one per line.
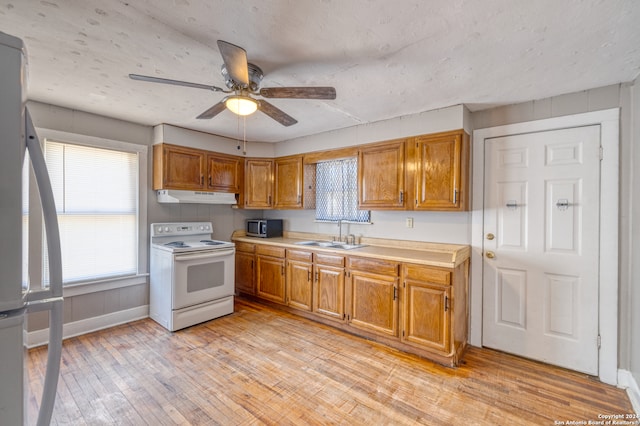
(277,114)
(174,82)
(235,59)
(299,92)
(213,111)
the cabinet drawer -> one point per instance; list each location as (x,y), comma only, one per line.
(426,274)
(328,259)
(246,247)
(383,267)
(266,250)
(302,255)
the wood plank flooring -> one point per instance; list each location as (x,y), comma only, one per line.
(262,366)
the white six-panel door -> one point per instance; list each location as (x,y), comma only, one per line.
(541,224)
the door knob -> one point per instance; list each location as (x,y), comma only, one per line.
(490,236)
(490,254)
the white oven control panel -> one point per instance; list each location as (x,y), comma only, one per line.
(181,228)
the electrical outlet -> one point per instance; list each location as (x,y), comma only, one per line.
(409,222)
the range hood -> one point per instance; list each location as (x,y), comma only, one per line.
(195,197)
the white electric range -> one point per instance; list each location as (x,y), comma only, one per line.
(192,276)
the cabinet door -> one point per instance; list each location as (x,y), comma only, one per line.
(245,272)
(328,297)
(224,173)
(270,278)
(374,303)
(381,176)
(177,167)
(427,315)
(288,183)
(258,183)
(441,171)
(299,284)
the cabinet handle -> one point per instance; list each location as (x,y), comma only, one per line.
(308,275)
(446,303)
(210,180)
(269,200)
(282,269)
(299,199)
(201,179)
(316,276)
(455,196)
(395,293)
(401,197)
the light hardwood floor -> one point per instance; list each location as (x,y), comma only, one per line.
(263,366)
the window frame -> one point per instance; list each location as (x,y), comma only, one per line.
(36,240)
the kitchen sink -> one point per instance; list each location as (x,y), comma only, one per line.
(331,244)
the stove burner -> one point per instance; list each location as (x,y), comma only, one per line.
(211,242)
(179,244)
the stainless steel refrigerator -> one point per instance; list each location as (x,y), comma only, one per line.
(19,143)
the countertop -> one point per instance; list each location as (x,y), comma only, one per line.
(424,253)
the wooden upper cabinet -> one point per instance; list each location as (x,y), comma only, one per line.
(381,176)
(224,173)
(288,182)
(441,172)
(181,167)
(178,167)
(258,183)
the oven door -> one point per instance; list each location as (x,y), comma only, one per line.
(202,276)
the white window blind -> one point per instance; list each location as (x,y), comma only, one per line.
(337,191)
(96,196)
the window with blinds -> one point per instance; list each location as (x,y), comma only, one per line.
(96,196)
(337,191)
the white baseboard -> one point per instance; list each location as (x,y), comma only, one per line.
(76,328)
(626,380)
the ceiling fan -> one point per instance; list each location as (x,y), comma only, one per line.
(243,80)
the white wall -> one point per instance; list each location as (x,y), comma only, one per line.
(179,136)
(440,120)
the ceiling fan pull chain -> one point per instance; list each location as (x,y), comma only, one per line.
(244,134)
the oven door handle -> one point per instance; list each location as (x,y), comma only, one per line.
(208,255)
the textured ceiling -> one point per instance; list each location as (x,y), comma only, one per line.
(385,59)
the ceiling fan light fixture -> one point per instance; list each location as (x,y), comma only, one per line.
(241,105)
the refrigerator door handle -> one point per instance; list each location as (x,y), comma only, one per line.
(50,298)
(49,213)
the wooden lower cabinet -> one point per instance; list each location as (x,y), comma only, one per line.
(299,279)
(328,286)
(432,317)
(245,272)
(413,307)
(270,273)
(427,317)
(373,295)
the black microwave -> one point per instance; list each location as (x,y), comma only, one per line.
(264,228)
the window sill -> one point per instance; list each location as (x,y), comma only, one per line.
(77,289)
